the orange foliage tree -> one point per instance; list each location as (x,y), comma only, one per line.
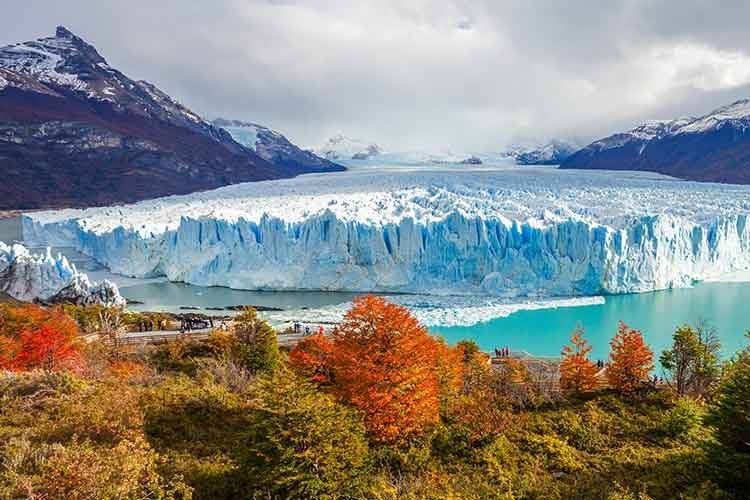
(39,338)
(630,360)
(384,363)
(312,357)
(480,409)
(577,371)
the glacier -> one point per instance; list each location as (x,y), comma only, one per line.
(28,277)
(502,231)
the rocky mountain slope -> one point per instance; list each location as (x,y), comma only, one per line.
(76,132)
(714,147)
(272,146)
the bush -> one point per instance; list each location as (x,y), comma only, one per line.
(682,421)
(556,453)
(305,444)
(80,469)
(730,412)
(255,346)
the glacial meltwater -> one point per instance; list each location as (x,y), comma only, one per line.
(723,306)
(540,332)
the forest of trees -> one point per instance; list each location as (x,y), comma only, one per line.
(377,408)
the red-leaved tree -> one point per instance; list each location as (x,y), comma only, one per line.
(630,360)
(51,342)
(384,363)
(312,357)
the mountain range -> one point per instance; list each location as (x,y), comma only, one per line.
(343,148)
(74,131)
(714,147)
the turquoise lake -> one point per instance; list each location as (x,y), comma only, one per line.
(725,306)
(542,332)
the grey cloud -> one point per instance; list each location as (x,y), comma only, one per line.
(411,74)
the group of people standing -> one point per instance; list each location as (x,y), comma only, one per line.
(502,352)
(149,326)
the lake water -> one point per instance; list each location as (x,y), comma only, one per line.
(656,314)
(539,332)
(168,296)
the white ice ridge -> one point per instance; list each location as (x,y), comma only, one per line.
(502,231)
(28,277)
(434,311)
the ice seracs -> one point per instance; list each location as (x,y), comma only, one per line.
(29,277)
(507,232)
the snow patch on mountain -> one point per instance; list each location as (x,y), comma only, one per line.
(29,277)
(44,59)
(247,134)
(736,115)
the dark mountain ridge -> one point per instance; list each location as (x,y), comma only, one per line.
(76,132)
(714,147)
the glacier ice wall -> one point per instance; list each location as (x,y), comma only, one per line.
(26,276)
(457,253)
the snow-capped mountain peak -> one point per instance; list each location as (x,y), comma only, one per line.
(736,115)
(551,153)
(713,147)
(65,63)
(272,145)
(57,60)
(341,147)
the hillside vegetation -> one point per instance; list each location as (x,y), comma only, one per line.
(376,409)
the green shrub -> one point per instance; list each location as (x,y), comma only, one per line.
(304,444)
(730,412)
(554,452)
(683,420)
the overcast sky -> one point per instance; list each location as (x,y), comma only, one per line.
(460,75)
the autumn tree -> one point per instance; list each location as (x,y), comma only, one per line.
(692,363)
(34,337)
(256,347)
(630,360)
(577,371)
(449,370)
(481,410)
(384,364)
(312,357)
